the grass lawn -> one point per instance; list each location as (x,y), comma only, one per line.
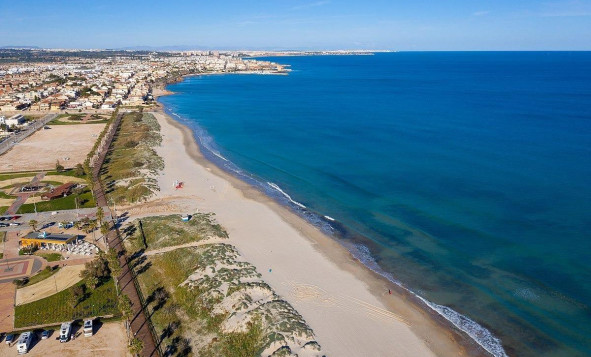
(42,275)
(85,200)
(75,119)
(55,308)
(3,209)
(50,257)
(30,174)
(67,172)
(92,121)
(4,195)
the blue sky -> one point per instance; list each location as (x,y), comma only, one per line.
(300,24)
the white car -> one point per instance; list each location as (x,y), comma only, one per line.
(65,332)
(24,342)
(88,328)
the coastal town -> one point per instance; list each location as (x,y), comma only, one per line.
(85,83)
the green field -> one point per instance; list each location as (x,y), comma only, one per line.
(55,308)
(31,174)
(50,257)
(17,175)
(85,200)
(4,195)
(76,120)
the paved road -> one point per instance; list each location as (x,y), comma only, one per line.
(48,217)
(14,139)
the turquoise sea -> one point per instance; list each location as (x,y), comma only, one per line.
(464,176)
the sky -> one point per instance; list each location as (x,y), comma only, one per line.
(300,24)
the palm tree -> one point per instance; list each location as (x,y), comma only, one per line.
(100,214)
(136,346)
(126,311)
(104,230)
(92,228)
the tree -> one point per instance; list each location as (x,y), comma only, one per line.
(92,282)
(78,293)
(136,346)
(97,268)
(79,170)
(92,228)
(114,266)
(59,167)
(105,228)
(125,308)
(33,223)
(100,214)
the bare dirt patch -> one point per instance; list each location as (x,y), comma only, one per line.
(109,339)
(41,150)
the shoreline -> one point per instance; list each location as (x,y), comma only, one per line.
(429,327)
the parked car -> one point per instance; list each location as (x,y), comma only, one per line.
(88,328)
(10,338)
(45,334)
(65,331)
(15,224)
(24,342)
(4,224)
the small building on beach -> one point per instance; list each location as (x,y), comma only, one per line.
(58,192)
(38,239)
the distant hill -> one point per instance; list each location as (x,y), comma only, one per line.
(161,48)
(20,47)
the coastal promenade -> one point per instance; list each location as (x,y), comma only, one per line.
(140,324)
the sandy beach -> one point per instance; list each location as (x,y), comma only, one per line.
(346,304)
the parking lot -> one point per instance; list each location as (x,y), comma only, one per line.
(47,217)
(109,339)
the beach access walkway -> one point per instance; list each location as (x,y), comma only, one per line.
(22,197)
(141,325)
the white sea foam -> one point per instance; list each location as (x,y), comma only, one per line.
(478,333)
(329,218)
(285,194)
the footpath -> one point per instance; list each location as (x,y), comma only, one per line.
(22,197)
(140,325)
